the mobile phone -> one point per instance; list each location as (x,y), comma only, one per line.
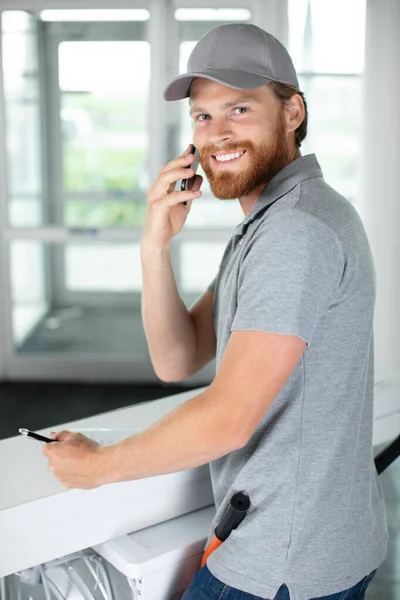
(35,436)
(187,184)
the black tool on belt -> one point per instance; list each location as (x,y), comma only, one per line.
(240,502)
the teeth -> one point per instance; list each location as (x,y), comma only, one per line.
(225,157)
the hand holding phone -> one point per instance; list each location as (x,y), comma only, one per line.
(187,184)
(165,216)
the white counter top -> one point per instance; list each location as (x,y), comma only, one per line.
(41,520)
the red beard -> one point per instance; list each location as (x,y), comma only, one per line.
(266,160)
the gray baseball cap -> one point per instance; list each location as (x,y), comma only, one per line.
(238,55)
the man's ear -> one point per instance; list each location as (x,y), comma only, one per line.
(294,112)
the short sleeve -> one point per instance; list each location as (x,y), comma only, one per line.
(289,274)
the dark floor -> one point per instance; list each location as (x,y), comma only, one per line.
(39,405)
(88,329)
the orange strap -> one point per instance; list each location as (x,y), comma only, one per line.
(213,545)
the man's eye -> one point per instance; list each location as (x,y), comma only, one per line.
(203,117)
(241,109)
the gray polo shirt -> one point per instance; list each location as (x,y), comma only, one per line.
(300,264)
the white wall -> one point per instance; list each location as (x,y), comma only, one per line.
(381,179)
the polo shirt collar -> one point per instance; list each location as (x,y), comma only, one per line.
(300,169)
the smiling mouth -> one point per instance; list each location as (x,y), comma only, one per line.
(228,158)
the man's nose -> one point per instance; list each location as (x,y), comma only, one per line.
(220,130)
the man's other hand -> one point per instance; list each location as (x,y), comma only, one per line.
(75,460)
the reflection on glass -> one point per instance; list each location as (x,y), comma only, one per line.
(27,287)
(95,15)
(16,21)
(334,129)
(326,36)
(106,213)
(104,128)
(102,267)
(199,263)
(213,14)
(92,306)
(22,118)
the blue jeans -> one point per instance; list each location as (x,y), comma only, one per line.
(204,586)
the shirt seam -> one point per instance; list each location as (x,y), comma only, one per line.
(294,208)
(290,582)
(293,583)
(298,469)
(319,220)
(233,571)
(337,240)
(265,218)
(314,218)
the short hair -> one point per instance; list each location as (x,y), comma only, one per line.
(284,92)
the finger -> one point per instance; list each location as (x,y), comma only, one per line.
(62,436)
(86,440)
(175,174)
(188,205)
(197,183)
(187,150)
(165,184)
(177,197)
(179,162)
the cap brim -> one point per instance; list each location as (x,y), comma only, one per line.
(180,87)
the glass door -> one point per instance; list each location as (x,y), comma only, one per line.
(76,96)
(331,78)
(99,130)
(25,181)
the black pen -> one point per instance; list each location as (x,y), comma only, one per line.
(36,436)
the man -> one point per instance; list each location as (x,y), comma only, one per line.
(288,417)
